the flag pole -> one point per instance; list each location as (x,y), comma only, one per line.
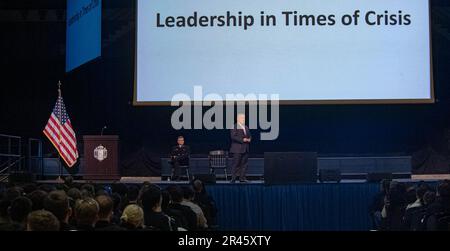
(59,131)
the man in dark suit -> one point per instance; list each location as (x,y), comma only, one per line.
(179,157)
(240,140)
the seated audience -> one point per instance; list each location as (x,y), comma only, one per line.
(105,214)
(46,188)
(394,208)
(87,191)
(7,197)
(153,215)
(42,220)
(179,221)
(439,213)
(377,204)
(86,214)
(57,202)
(132,195)
(74,193)
(37,198)
(176,194)
(188,196)
(117,212)
(132,218)
(415,210)
(68,183)
(205,201)
(18,212)
(29,188)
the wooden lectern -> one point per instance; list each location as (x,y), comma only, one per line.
(101,154)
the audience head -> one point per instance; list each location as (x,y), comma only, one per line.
(120,188)
(42,220)
(101,192)
(443,190)
(29,188)
(133,193)
(393,185)
(7,197)
(188,193)
(411,195)
(421,190)
(74,193)
(151,199)
(86,211)
(176,194)
(198,186)
(12,193)
(4,205)
(57,202)
(429,198)
(385,184)
(37,198)
(46,188)
(396,199)
(116,201)
(68,181)
(165,200)
(133,215)
(87,191)
(19,209)
(106,206)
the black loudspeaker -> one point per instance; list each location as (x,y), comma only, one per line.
(330,175)
(205,178)
(377,177)
(21,177)
(290,167)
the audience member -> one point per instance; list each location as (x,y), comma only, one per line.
(86,214)
(205,201)
(176,195)
(37,198)
(188,196)
(132,217)
(105,213)
(57,202)
(153,215)
(42,220)
(439,213)
(18,212)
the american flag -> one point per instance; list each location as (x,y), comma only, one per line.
(60,132)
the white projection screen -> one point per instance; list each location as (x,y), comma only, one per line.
(305,51)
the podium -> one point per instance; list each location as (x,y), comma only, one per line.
(101,154)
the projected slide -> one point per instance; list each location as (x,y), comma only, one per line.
(83,40)
(306,51)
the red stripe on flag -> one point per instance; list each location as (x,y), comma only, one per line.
(70,143)
(53,131)
(69,149)
(66,153)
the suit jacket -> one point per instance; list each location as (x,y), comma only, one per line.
(237,143)
(181,154)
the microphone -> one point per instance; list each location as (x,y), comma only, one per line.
(101,134)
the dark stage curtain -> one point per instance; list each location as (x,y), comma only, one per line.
(141,163)
(294,207)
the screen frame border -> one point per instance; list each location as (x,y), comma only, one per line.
(431,100)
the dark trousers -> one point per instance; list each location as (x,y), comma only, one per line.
(240,163)
(176,170)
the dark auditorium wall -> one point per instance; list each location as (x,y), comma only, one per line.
(100,93)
